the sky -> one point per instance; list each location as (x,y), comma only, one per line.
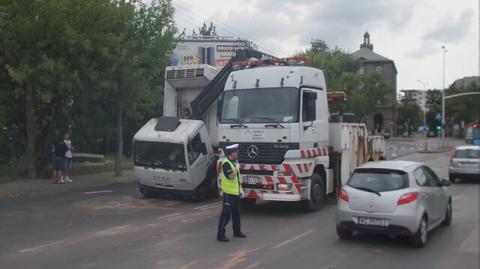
(410,32)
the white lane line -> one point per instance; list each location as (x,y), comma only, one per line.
(112,231)
(253,265)
(169,216)
(208,206)
(41,246)
(293,239)
(96,192)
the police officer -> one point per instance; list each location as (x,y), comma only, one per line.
(232,192)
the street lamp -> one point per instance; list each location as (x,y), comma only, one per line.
(443,96)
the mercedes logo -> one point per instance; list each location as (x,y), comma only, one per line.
(252,151)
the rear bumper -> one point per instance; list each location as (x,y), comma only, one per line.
(390,229)
(473,171)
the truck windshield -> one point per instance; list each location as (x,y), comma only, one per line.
(159,155)
(265,105)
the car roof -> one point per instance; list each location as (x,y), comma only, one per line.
(394,165)
(468,147)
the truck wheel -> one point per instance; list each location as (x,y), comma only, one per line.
(317,194)
(146,193)
(248,203)
(419,239)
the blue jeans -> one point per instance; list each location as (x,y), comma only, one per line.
(231,207)
(59,164)
(68,164)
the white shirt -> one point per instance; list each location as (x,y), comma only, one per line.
(68,153)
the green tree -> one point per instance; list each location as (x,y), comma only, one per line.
(463,108)
(434,106)
(409,111)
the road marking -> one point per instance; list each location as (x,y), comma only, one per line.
(253,265)
(293,239)
(456,198)
(113,231)
(96,192)
(169,216)
(394,154)
(208,206)
(41,246)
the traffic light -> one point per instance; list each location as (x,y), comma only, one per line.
(438,128)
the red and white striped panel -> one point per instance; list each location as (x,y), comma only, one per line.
(313,152)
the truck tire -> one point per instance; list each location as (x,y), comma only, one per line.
(146,193)
(317,194)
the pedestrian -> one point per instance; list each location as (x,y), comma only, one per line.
(232,193)
(68,157)
(59,162)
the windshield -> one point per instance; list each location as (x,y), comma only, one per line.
(467,154)
(260,106)
(378,180)
(159,155)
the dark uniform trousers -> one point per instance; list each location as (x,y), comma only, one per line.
(231,206)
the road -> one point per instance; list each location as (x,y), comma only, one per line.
(114,227)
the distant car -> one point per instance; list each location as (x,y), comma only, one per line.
(398,198)
(465,163)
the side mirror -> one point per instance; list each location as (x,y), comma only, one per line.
(446,183)
(203,149)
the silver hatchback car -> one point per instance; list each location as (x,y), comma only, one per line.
(465,163)
(396,198)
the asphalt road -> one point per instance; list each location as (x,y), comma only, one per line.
(114,227)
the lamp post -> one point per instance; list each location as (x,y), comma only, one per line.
(443,97)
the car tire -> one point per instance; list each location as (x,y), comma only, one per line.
(419,239)
(448,214)
(344,233)
(317,194)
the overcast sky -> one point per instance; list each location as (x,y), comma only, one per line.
(410,32)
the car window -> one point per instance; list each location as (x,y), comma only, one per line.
(194,149)
(467,154)
(432,178)
(379,179)
(420,177)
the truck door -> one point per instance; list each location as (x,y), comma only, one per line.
(308,119)
(196,160)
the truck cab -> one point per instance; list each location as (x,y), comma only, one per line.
(171,156)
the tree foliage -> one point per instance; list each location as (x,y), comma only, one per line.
(90,66)
(364,92)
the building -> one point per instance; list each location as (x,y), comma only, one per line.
(465,82)
(420,97)
(384,118)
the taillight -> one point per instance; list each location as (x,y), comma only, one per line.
(342,194)
(407,198)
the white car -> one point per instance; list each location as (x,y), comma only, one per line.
(465,163)
(398,198)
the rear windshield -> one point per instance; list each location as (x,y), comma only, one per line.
(379,180)
(467,154)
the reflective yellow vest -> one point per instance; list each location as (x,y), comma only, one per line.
(230,186)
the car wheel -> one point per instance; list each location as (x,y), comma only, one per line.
(419,239)
(448,214)
(344,233)
(317,194)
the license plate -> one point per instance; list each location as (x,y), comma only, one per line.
(252,179)
(372,221)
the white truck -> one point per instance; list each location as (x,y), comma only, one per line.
(289,149)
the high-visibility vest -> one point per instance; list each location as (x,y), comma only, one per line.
(230,186)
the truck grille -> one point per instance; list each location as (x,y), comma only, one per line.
(268,153)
